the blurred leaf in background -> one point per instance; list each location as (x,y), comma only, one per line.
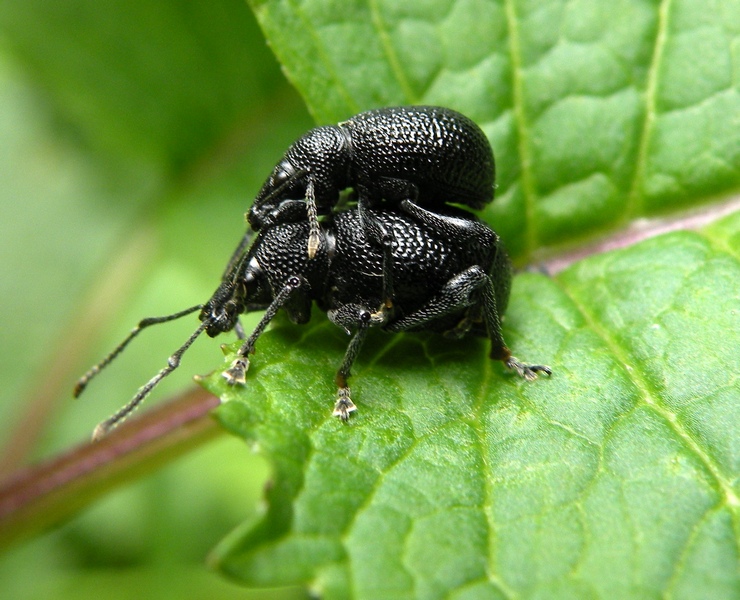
(134,137)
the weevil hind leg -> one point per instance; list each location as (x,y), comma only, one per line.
(473,291)
(499,349)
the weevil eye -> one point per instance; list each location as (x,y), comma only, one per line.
(279,177)
(282,174)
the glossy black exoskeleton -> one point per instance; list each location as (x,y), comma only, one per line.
(450,274)
(427,154)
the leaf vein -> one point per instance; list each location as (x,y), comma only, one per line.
(690,541)
(634,206)
(523,149)
(339,86)
(723,483)
(488,478)
(387,45)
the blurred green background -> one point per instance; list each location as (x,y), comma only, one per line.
(134,136)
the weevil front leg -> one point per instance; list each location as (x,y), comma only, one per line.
(344,405)
(235,374)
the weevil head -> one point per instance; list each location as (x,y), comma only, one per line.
(246,290)
(285,181)
(222,311)
(320,160)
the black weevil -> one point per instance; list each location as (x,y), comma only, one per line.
(450,272)
(427,154)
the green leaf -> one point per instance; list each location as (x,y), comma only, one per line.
(598,112)
(158,83)
(615,478)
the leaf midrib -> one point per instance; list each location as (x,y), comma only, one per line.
(517,102)
(634,196)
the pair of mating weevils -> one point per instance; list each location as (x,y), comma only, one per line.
(402,259)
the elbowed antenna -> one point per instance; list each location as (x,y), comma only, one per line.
(172,363)
(143,324)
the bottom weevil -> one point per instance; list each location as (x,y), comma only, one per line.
(449,273)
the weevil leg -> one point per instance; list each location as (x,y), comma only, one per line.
(459,293)
(314,233)
(453,228)
(344,405)
(388,188)
(472,290)
(358,318)
(287,211)
(395,189)
(499,350)
(382,237)
(235,374)
(525,370)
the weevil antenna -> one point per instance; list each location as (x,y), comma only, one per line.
(237,260)
(236,257)
(143,324)
(172,363)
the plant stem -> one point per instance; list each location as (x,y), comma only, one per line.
(38,497)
